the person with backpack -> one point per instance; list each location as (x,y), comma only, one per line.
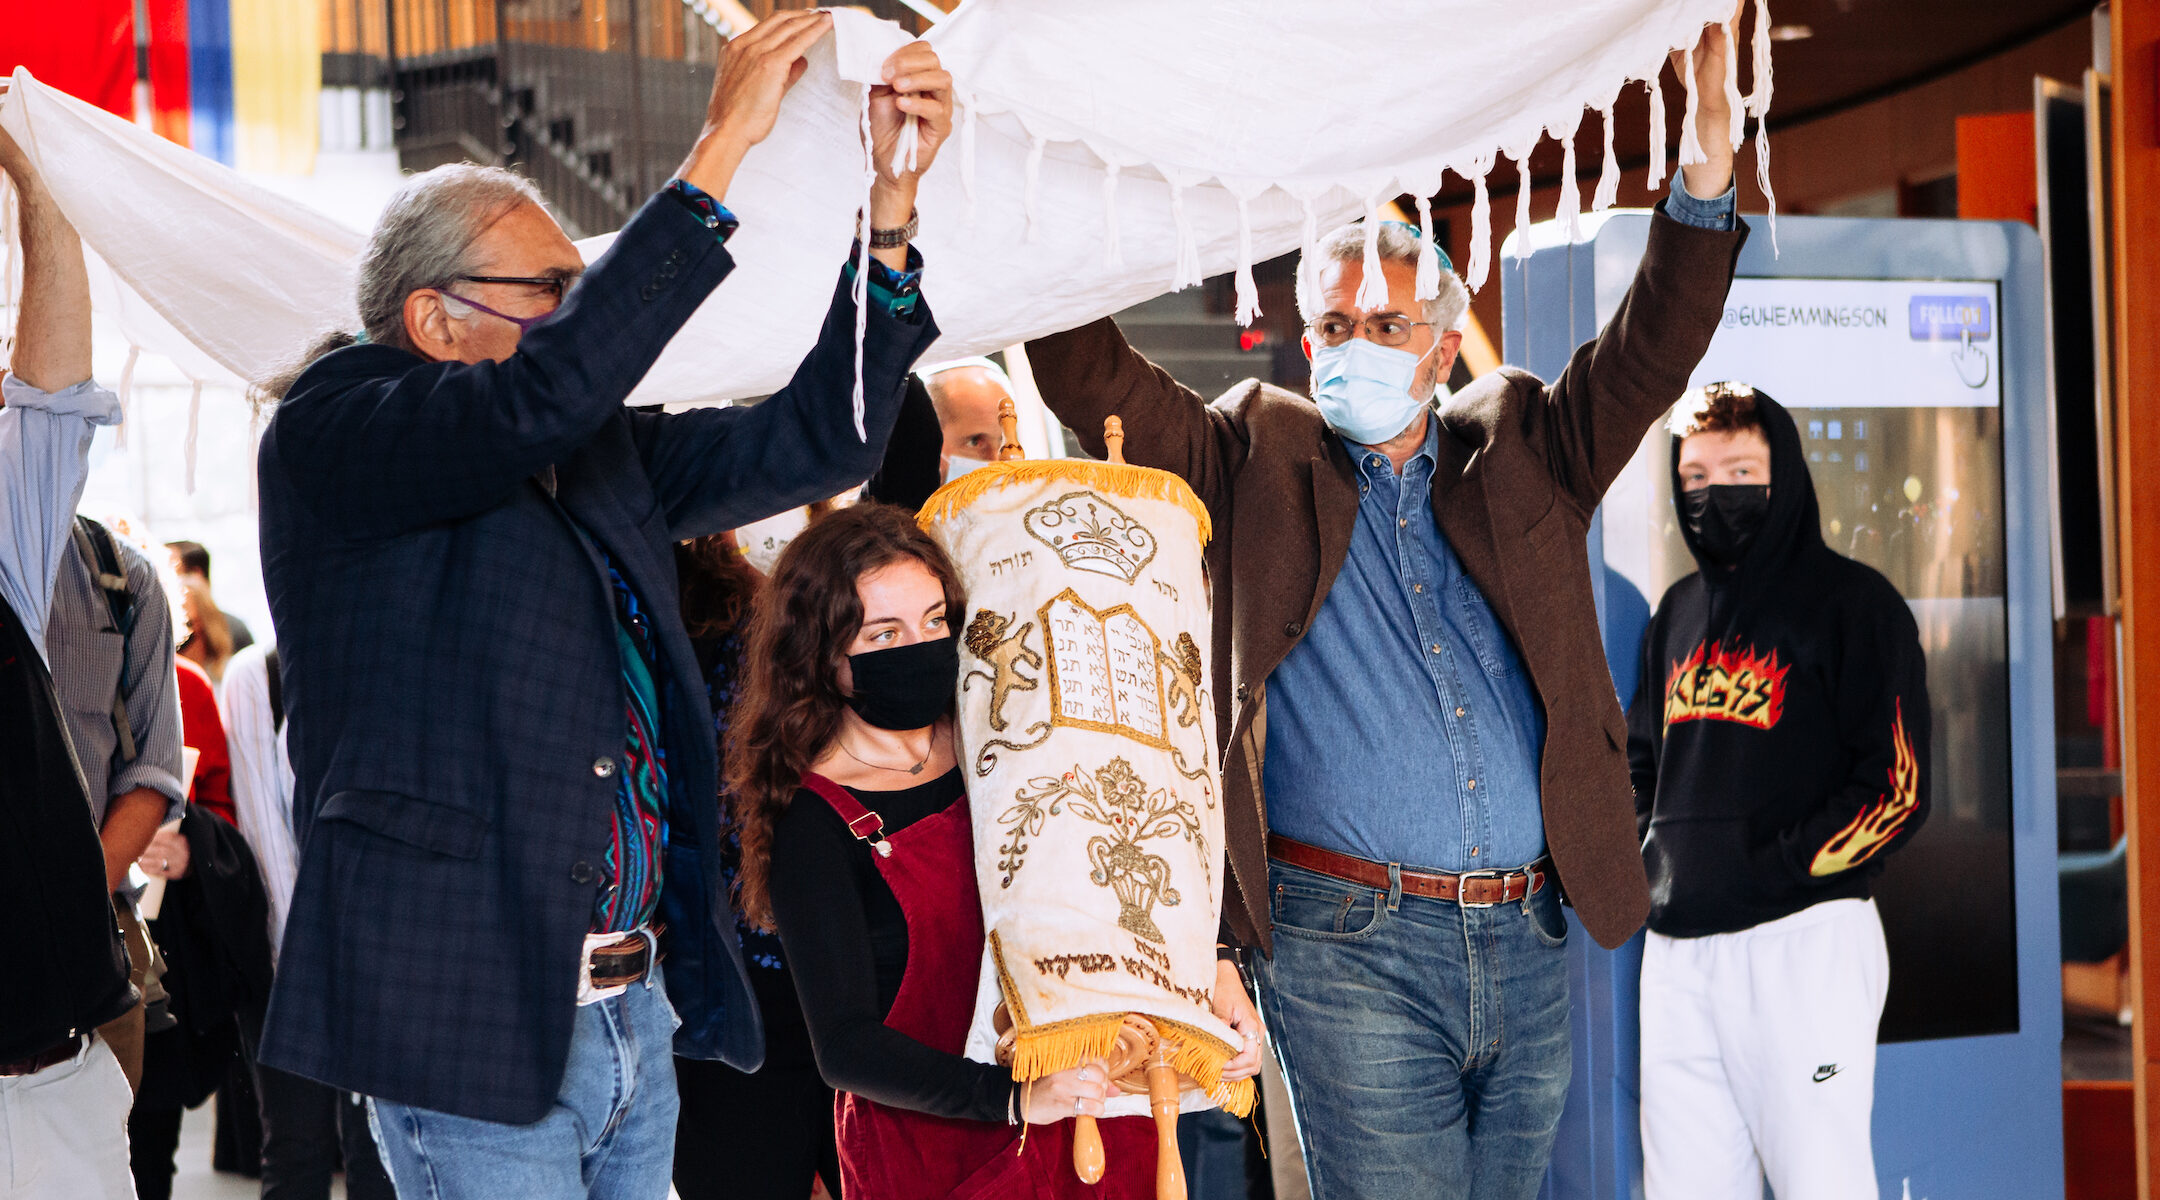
(64,1097)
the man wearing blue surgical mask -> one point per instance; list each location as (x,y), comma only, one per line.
(1421,744)
(966,393)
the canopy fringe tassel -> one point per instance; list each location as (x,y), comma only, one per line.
(906,147)
(1308,271)
(1608,182)
(1657,133)
(1372,289)
(1522,204)
(1481,224)
(1248,292)
(1569,209)
(1186,272)
(1758,103)
(1691,147)
(1428,259)
(862,266)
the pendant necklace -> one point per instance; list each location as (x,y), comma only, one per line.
(914,770)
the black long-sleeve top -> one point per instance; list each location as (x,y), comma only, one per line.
(846,941)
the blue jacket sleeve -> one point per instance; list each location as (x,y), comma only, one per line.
(722,468)
(377,450)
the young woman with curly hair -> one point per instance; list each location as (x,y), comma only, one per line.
(853,816)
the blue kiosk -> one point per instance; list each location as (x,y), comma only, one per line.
(1911,353)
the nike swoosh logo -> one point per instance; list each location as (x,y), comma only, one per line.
(1825,1072)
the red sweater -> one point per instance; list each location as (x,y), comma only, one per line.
(202,728)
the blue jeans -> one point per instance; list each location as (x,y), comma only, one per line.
(1425,1045)
(1212,1144)
(610,1135)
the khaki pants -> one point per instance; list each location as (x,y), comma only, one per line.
(124,1033)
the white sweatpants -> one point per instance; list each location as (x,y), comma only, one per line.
(63,1131)
(1758,1058)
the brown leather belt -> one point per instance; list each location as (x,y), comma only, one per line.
(1471,889)
(53,1056)
(622,964)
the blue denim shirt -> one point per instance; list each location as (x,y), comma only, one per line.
(1403,728)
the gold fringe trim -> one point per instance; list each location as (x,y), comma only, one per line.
(1040,1050)
(1199,1056)
(1118,479)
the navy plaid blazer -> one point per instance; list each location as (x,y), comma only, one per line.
(451,678)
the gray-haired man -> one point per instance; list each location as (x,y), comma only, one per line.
(1408,670)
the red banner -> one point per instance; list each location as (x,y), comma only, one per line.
(85,48)
(170,99)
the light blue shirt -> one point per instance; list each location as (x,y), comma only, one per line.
(1403,727)
(44,460)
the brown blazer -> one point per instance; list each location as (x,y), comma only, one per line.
(1522,468)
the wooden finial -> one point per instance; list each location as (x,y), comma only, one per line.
(1162,1086)
(1113,436)
(1009,423)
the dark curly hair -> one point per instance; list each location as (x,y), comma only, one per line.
(716,584)
(1723,407)
(806,616)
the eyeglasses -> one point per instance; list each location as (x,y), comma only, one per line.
(554,285)
(1382,329)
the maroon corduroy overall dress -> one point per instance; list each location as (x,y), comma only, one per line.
(891,1153)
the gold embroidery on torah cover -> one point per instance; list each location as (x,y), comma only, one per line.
(1085,723)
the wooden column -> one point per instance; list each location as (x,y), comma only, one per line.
(2136,287)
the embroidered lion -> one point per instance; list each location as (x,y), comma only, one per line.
(1184,679)
(986,640)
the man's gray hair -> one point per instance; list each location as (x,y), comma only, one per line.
(423,239)
(1401,244)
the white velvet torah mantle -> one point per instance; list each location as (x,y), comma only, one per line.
(1086,730)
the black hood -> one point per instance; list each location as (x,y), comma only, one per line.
(1792,530)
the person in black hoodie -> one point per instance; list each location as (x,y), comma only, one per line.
(1779,747)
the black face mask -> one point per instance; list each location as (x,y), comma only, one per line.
(905,687)
(1725,517)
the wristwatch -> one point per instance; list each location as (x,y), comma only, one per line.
(893,239)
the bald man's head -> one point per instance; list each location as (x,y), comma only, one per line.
(966,399)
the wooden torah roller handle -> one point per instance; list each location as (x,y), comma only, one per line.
(1132,1063)
(1162,1086)
(1009,426)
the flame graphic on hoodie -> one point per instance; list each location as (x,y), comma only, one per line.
(1879,822)
(1720,684)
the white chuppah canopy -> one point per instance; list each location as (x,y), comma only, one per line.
(1106,153)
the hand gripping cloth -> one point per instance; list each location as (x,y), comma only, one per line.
(1086,727)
